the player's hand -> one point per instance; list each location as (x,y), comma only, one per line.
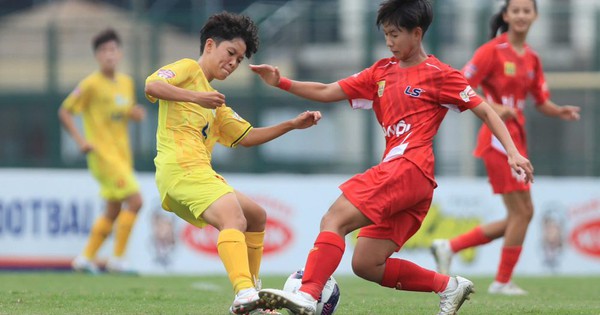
(137,113)
(306,119)
(569,112)
(85,147)
(210,100)
(522,166)
(508,113)
(268,73)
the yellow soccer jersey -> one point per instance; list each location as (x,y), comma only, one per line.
(187,132)
(104,105)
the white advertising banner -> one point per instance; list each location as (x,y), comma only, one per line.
(46,215)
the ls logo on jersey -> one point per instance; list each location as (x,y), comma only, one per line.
(510,69)
(380,88)
(416,92)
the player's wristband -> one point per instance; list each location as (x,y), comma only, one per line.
(284,83)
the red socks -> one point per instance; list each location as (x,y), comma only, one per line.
(508,260)
(405,275)
(323,259)
(472,238)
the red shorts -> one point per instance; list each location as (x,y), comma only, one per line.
(501,176)
(395,195)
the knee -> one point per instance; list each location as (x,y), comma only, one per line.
(238,223)
(332,223)
(526,213)
(137,206)
(258,221)
(363,269)
(135,203)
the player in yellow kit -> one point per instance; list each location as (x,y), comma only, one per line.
(106,101)
(192,117)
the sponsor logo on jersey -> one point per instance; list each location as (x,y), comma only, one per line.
(380,88)
(236,116)
(470,70)
(117,116)
(120,100)
(166,74)
(396,129)
(76,91)
(416,92)
(510,69)
(467,93)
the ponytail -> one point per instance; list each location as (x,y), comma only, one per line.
(498,24)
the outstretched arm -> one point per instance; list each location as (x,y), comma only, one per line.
(168,92)
(516,161)
(315,91)
(566,112)
(262,135)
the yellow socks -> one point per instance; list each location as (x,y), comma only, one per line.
(233,251)
(101,229)
(255,244)
(125,222)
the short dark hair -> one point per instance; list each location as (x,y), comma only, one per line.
(406,14)
(105,36)
(228,26)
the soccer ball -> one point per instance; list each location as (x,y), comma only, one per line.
(329,299)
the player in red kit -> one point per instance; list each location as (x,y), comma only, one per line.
(410,93)
(507,70)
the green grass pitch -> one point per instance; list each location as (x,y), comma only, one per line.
(72,293)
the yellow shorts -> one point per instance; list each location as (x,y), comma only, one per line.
(116,186)
(193,194)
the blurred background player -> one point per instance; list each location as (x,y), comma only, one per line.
(106,101)
(507,69)
(192,118)
(410,94)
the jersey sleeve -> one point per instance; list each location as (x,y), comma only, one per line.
(456,93)
(360,88)
(479,67)
(539,88)
(79,98)
(174,74)
(232,128)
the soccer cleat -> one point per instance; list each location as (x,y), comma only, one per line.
(505,289)
(119,265)
(440,248)
(260,311)
(298,303)
(83,264)
(245,301)
(452,299)
(262,308)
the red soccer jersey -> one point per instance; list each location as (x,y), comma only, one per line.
(506,78)
(410,104)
